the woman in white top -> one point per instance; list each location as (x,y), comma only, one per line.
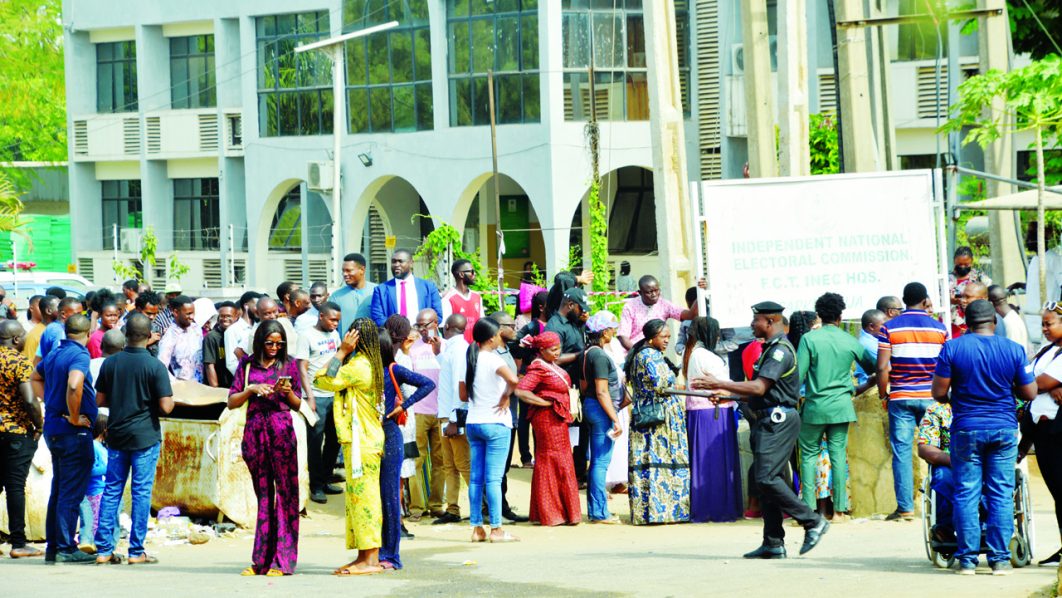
(1041,425)
(715,474)
(486,388)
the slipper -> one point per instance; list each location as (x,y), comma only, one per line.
(248,572)
(345,572)
(387,566)
(111,559)
(506,537)
(274,573)
(144,559)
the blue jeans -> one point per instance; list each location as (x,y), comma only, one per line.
(72,458)
(142,463)
(904,417)
(600,456)
(488,446)
(983,461)
(943,486)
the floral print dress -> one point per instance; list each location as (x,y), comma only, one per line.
(659,468)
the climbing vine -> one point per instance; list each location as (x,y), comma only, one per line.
(149,244)
(598,245)
(446,238)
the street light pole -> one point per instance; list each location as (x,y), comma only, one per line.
(335,46)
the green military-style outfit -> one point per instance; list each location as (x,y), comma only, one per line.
(825,359)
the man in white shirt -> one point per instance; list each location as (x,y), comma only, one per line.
(1012,320)
(316,347)
(308,319)
(236,334)
(269,310)
(455,456)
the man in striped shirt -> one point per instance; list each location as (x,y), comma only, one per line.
(907,356)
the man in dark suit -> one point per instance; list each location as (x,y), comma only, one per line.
(404,294)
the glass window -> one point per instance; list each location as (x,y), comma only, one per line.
(116,77)
(196,215)
(294,90)
(121,207)
(499,36)
(389,73)
(632,219)
(611,36)
(192,77)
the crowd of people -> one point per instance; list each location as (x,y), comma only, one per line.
(416,392)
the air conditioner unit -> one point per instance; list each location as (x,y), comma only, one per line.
(319,175)
(737,56)
(130,239)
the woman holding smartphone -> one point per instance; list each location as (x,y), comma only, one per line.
(267,381)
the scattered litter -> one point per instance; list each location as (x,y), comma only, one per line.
(469,563)
(167,512)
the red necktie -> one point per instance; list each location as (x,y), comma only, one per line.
(402,310)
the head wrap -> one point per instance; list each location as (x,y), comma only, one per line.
(545,340)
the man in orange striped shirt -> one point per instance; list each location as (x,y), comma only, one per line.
(907,356)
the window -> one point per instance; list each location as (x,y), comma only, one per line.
(285,233)
(294,90)
(388,73)
(122,207)
(116,77)
(632,220)
(196,217)
(502,36)
(611,36)
(192,72)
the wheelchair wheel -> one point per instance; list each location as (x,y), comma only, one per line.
(927,521)
(1019,552)
(1021,543)
(941,561)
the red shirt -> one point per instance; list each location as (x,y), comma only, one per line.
(471,308)
(750,356)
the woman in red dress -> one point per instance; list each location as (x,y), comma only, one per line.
(554,491)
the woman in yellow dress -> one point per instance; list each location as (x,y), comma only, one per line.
(355,374)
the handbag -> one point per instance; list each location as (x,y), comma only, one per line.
(647,415)
(575,405)
(410,450)
(401,418)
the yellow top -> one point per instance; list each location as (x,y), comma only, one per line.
(33,340)
(353,385)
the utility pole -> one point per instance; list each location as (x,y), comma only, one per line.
(497,192)
(670,181)
(757,48)
(793,135)
(335,46)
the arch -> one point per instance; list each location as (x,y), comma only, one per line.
(394,200)
(260,244)
(270,238)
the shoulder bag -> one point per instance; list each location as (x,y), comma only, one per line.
(575,404)
(646,414)
(409,449)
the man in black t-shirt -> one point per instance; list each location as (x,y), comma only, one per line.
(136,388)
(772,397)
(215,373)
(569,322)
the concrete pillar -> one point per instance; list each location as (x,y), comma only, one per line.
(756,43)
(793,138)
(440,80)
(670,180)
(1008,261)
(156,198)
(860,148)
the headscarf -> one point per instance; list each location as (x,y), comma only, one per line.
(545,340)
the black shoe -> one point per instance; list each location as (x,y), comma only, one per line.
(331,489)
(318,497)
(511,516)
(1051,561)
(405,533)
(767,552)
(814,535)
(899,515)
(447,518)
(77,557)
(336,479)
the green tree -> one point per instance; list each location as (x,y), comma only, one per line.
(1030,22)
(11,219)
(822,137)
(1026,99)
(32,85)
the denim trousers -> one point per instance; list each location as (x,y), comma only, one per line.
(142,462)
(943,485)
(904,417)
(72,458)
(488,446)
(982,461)
(600,456)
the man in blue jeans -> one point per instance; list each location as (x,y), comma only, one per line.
(907,354)
(63,379)
(983,372)
(136,388)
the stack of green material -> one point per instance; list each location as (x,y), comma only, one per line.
(51,243)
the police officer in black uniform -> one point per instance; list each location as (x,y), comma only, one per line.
(772,400)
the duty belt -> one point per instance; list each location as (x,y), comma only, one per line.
(765,413)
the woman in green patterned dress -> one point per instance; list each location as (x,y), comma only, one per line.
(659,468)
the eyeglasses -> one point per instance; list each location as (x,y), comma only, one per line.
(513,326)
(1053,306)
(423,326)
(274,343)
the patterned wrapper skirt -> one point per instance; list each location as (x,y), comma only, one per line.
(659,468)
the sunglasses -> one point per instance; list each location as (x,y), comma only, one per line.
(1053,306)
(274,343)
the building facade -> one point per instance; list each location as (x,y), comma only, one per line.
(199,121)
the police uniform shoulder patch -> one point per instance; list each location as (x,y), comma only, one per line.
(778,355)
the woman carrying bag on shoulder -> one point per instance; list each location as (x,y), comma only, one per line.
(659,479)
(267,382)
(554,491)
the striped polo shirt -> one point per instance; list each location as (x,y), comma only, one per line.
(914,339)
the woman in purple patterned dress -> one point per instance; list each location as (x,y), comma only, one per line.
(267,381)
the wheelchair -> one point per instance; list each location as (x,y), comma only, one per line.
(942,553)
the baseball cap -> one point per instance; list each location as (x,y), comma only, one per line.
(579,296)
(172,287)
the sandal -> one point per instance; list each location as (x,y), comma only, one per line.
(348,572)
(144,559)
(248,572)
(505,537)
(111,559)
(274,573)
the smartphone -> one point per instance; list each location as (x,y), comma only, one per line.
(431,333)
(283,379)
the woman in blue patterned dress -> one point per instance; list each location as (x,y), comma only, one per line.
(659,468)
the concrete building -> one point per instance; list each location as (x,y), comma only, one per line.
(197,119)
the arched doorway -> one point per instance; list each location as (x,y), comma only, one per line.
(296,240)
(395,209)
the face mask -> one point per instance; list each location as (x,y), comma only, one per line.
(962,270)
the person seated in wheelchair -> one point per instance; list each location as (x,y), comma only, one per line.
(934,442)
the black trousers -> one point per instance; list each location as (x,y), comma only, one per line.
(772,445)
(579,454)
(523,433)
(505,477)
(322,445)
(1048,445)
(16,454)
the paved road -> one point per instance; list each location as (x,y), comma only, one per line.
(868,558)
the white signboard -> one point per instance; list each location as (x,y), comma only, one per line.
(791,240)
